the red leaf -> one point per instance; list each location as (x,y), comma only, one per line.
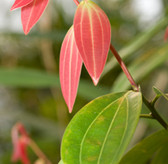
(20,144)
(23,142)
(92,34)
(20,3)
(31,13)
(70,68)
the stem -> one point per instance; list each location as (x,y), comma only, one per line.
(136,43)
(154,100)
(124,68)
(38,152)
(155,114)
(76,2)
(147,116)
(151,107)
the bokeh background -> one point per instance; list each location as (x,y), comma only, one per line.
(29,68)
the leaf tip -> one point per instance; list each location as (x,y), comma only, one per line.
(70,108)
(12,8)
(26,31)
(95,80)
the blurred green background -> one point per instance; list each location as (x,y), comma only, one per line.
(29,69)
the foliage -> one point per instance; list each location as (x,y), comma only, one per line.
(101,131)
(107,124)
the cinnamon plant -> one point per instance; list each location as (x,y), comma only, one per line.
(101,131)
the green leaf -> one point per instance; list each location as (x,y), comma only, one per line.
(29,78)
(100,131)
(144,150)
(159,93)
(161,156)
(56,35)
(142,67)
(61,162)
(22,77)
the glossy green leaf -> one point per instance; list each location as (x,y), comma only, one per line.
(159,93)
(144,150)
(142,67)
(100,131)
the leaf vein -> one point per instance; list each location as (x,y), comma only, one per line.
(108,131)
(124,130)
(80,152)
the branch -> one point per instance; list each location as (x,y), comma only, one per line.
(155,114)
(147,116)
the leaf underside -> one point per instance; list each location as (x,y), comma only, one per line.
(20,3)
(70,68)
(92,34)
(101,131)
(31,13)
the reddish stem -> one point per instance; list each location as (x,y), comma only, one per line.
(124,68)
(76,2)
(20,128)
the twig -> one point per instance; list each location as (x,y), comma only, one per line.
(124,68)
(147,116)
(155,114)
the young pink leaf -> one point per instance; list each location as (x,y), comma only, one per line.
(70,68)
(21,149)
(31,13)
(20,143)
(20,3)
(92,34)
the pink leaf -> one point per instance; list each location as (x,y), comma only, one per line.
(31,13)
(23,142)
(20,143)
(70,68)
(20,3)
(92,34)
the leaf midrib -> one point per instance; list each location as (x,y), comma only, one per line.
(124,130)
(109,129)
